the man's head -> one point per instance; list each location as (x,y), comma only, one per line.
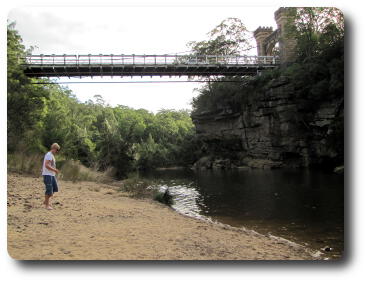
(55,148)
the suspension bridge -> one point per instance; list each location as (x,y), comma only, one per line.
(145,65)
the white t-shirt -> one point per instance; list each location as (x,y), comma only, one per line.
(45,171)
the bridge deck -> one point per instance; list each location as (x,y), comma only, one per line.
(144,65)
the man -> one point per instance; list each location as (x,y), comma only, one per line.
(49,172)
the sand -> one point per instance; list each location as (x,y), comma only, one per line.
(92,221)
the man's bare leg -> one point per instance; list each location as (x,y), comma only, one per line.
(47,202)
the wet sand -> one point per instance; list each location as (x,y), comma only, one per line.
(93,221)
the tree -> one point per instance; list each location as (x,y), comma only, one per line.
(230,37)
(25,100)
(315,29)
(148,155)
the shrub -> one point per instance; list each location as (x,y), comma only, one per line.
(139,188)
(144,188)
(164,197)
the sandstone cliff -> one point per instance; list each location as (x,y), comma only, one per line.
(275,126)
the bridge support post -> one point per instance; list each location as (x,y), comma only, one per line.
(287,43)
(261,33)
(266,38)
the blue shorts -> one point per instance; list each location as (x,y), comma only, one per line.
(51,184)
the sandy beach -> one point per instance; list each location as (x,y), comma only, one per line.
(93,221)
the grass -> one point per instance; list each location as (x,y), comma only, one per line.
(74,171)
(26,164)
(71,170)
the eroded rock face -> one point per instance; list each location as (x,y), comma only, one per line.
(275,128)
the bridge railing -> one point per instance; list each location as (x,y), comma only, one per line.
(113,59)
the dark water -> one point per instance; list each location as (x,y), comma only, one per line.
(303,206)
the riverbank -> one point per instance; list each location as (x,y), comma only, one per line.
(93,221)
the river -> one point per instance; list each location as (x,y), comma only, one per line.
(303,206)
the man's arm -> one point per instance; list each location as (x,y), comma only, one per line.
(49,167)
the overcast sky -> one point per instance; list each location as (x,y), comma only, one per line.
(128,30)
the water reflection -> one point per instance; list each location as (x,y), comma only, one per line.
(300,205)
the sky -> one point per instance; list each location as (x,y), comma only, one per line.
(128,30)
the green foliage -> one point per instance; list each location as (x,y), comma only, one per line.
(221,95)
(164,197)
(315,29)
(214,95)
(25,101)
(321,77)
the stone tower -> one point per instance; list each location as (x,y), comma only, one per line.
(261,34)
(287,43)
(266,38)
